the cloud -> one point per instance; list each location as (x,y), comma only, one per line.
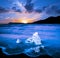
(19,10)
(2,10)
(18,6)
(53,10)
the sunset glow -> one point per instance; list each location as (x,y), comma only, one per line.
(23,20)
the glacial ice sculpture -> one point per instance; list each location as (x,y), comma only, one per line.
(35,38)
(35,50)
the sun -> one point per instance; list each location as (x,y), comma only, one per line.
(24,21)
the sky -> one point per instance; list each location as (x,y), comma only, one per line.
(24,10)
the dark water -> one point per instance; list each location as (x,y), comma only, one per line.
(49,34)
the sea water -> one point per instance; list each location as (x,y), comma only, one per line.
(13,37)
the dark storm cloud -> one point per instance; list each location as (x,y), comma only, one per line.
(53,9)
(2,10)
(38,10)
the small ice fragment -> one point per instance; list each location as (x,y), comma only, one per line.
(42,46)
(36,49)
(17,41)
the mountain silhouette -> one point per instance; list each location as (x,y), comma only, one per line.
(52,20)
